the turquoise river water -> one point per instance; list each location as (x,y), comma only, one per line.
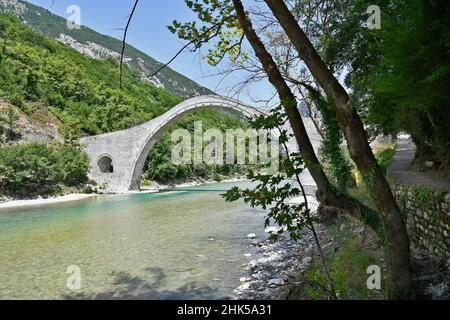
(172,245)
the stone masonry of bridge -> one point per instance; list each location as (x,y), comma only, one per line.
(117,159)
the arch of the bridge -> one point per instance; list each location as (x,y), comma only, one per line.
(118,158)
(167,120)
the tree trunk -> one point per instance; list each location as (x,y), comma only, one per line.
(326,194)
(397,247)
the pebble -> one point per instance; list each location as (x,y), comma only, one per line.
(307,261)
(253,263)
(251,236)
(272,230)
(244,280)
(245,286)
(429,164)
(276,282)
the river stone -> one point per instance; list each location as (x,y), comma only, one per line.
(253,264)
(269,294)
(276,282)
(196,271)
(245,286)
(429,164)
(447,198)
(306,261)
(245,280)
(251,236)
(258,276)
(255,243)
(272,230)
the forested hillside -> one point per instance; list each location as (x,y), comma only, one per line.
(78,89)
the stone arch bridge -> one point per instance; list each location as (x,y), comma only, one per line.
(117,159)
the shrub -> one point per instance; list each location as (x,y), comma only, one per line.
(165,172)
(73,165)
(28,169)
(35,168)
(217,177)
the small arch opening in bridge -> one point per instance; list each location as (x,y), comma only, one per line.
(105,164)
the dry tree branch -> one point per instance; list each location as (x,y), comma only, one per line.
(124,43)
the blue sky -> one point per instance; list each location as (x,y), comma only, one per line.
(148,32)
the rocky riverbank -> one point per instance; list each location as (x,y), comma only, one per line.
(278,270)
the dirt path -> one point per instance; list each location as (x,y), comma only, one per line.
(400,171)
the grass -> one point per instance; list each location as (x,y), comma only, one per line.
(348,264)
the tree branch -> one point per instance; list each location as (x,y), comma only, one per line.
(124,43)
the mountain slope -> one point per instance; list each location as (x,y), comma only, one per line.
(82,92)
(96,45)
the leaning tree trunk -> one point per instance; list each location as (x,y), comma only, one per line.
(326,194)
(397,247)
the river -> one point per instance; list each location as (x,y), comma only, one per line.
(188,244)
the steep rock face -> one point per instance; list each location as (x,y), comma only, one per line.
(98,46)
(13,6)
(91,49)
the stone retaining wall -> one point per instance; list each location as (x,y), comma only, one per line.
(427,214)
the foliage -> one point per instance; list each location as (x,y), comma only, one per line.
(273,191)
(32,169)
(400,74)
(425,195)
(384,156)
(72,164)
(220,28)
(8,126)
(332,142)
